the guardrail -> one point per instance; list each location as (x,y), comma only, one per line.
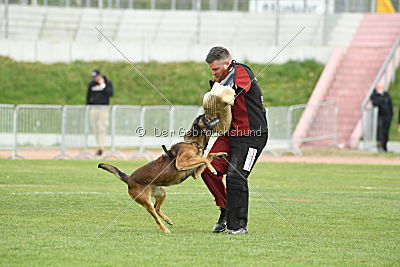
(298,6)
(140,128)
(319,124)
(385,76)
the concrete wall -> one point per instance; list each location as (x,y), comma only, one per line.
(51,51)
(67,34)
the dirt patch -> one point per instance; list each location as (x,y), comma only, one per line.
(335,159)
(309,156)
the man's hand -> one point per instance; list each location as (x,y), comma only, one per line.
(100,80)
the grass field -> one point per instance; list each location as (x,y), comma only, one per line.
(181,83)
(51,212)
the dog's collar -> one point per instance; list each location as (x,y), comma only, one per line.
(196,145)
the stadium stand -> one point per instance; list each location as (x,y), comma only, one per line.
(153,30)
(345,26)
(26,23)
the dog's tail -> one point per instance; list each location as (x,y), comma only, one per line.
(114,170)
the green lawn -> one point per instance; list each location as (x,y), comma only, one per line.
(51,212)
(182,83)
(394,91)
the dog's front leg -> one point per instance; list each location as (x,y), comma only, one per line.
(199,171)
(186,161)
(210,157)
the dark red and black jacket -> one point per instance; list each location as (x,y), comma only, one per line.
(248,112)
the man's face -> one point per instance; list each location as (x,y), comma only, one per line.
(98,79)
(218,67)
(380,88)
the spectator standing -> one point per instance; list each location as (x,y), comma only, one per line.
(99,91)
(381,99)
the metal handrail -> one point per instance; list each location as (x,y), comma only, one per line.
(382,71)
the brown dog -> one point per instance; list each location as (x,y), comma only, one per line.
(184,159)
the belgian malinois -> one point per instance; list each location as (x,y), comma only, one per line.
(182,160)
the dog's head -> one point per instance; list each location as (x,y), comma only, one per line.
(200,131)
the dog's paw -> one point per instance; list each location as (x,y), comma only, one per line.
(170,223)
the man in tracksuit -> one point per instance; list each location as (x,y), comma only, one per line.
(243,142)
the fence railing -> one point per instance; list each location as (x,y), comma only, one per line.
(385,76)
(318,124)
(297,6)
(140,128)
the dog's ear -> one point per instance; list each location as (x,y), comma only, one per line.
(211,82)
(197,120)
(203,123)
(159,162)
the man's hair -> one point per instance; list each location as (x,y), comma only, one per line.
(217,53)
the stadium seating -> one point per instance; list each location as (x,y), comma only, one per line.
(106,21)
(26,23)
(60,24)
(55,34)
(344,29)
(186,27)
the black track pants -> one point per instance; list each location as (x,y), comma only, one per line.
(383,131)
(244,153)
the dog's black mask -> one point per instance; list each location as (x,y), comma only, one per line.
(201,126)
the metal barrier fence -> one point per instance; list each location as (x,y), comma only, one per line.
(6,126)
(314,124)
(139,128)
(369,128)
(279,133)
(37,126)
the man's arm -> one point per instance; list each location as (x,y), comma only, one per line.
(109,90)
(376,99)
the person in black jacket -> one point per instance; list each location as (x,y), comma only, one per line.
(381,99)
(99,92)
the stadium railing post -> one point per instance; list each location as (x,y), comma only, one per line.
(62,154)
(7,112)
(85,154)
(171,124)
(15,145)
(141,131)
(113,152)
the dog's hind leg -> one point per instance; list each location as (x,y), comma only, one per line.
(142,196)
(159,194)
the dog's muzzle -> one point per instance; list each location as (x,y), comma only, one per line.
(210,124)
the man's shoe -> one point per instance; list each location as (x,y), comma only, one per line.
(220,226)
(99,152)
(239,231)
